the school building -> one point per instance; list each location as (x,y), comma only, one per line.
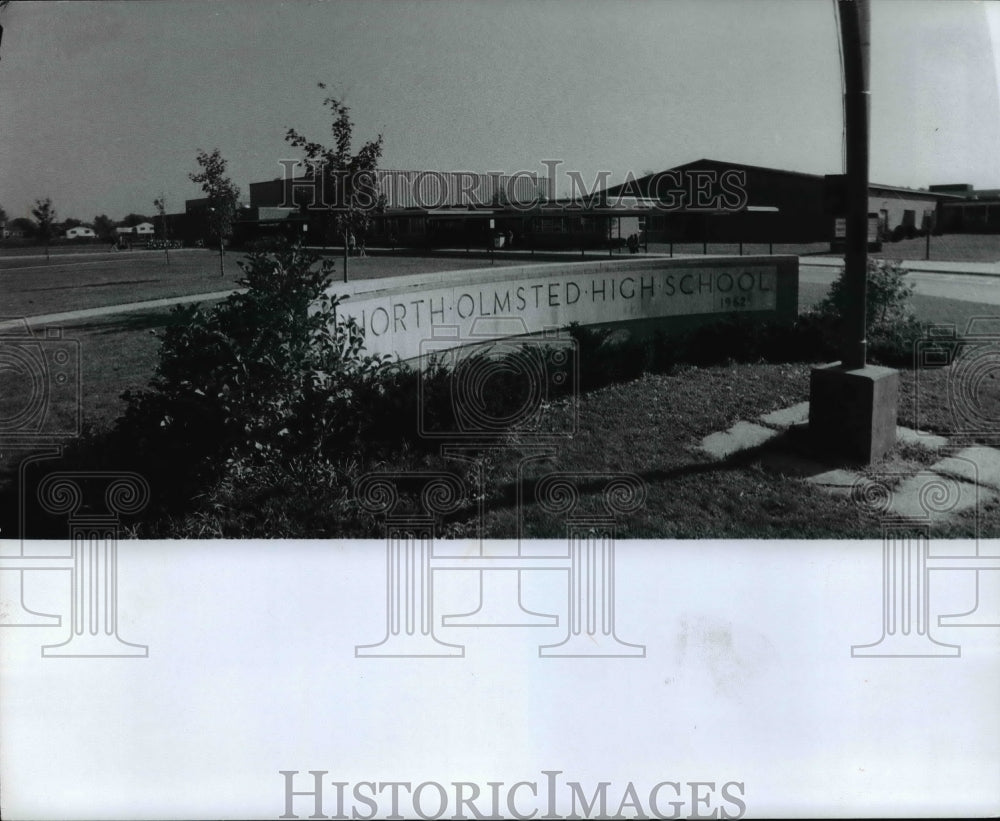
(705,201)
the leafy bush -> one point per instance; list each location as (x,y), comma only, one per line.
(264,409)
(892,328)
(893,344)
(888,295)
(266,375)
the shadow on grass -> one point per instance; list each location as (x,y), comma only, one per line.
(788,459)
(90,285)
(149,320)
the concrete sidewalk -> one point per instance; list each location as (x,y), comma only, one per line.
(972,470)
(918,265)
(8,325)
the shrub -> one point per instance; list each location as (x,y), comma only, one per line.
(893,344)
(888,295)
(266,375)
(892,328)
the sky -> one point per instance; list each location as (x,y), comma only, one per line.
(104,105)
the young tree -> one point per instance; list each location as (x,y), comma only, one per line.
(160,204)
(3,216)
(223,196)
(347,181)
(45,217)
(161,211)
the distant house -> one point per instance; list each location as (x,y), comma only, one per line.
(143,229)
(14,229)
(81,232)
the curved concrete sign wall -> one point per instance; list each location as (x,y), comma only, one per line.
(454,308)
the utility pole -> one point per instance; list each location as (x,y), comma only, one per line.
(854,29)
(853,405)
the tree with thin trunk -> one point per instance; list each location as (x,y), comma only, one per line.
(45,217)
(161,210)
(346,183)
(223,196)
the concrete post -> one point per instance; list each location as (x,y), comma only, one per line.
(853,406)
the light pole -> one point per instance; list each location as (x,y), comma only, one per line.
(853,405)
(854,28)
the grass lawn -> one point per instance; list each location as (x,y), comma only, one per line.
(650,426)
(33,287)
(947,247)
(117,353)
(22,249)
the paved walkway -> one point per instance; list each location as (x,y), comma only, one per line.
(969,477)
(981,287)
(919,265)
(109,310)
